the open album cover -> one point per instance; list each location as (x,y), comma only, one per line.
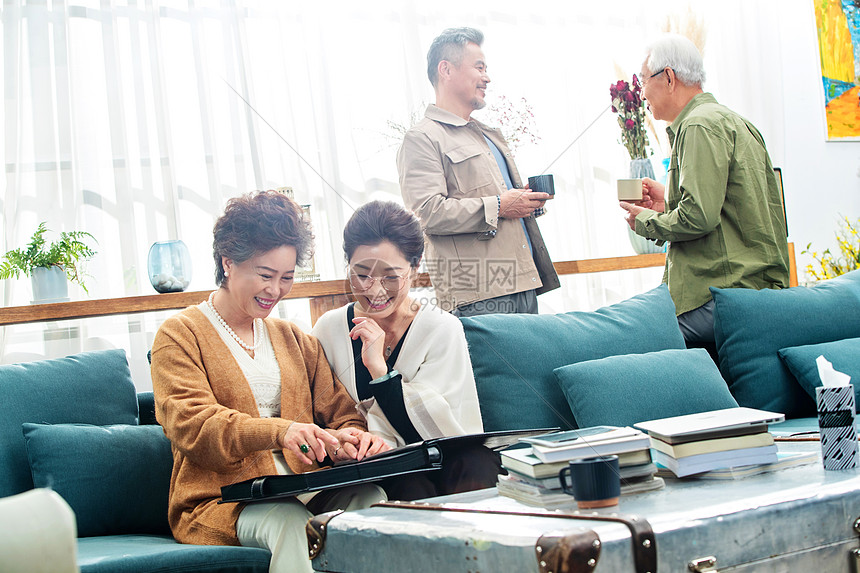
(419,457)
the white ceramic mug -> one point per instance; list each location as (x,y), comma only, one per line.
(629,189)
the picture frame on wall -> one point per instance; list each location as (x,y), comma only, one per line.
(838,31)
(308,271)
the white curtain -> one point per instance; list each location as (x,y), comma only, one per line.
(137,120)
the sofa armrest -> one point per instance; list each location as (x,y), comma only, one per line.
(146,408)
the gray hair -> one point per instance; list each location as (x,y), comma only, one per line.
(679,53)
(450,45)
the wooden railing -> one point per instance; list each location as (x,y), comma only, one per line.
(322,296)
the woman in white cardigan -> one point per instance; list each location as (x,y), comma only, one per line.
(404,362)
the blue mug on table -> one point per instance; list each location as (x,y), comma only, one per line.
(594,482)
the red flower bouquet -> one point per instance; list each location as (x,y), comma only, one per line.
(627,103)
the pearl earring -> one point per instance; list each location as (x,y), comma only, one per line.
(226,274)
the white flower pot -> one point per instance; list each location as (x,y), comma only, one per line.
(49,285)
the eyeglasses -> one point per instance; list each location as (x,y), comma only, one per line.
(654,75)
(391,283)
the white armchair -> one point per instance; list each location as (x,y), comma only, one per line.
(37,533)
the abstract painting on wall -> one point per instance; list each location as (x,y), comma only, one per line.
(838,23)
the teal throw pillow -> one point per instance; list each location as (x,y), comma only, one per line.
(751,326)
(844,355)
(627,389)
(116,478)
(87,388)
(514,355)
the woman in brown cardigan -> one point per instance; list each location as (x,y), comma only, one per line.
(242,395)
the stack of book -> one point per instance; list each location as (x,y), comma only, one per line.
(711,441)
(784,460)
(534,465)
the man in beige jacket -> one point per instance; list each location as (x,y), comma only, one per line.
(485,253)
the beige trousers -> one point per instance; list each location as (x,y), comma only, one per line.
(279,526)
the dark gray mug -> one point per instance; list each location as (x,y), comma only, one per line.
(595,481)
(542,184)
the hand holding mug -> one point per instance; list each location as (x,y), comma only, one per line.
(653,195)
(519,203)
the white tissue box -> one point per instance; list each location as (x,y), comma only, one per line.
(836,424)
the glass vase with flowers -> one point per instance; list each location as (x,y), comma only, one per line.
(628,104)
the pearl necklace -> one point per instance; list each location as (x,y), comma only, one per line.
(255,327)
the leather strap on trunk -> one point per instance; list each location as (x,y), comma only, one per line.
(563,552)
(316,529)
(641,534)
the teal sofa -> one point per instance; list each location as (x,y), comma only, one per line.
(77,425)
(627,362)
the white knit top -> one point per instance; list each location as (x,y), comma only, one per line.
(261,371)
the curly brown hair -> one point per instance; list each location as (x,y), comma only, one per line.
(256,223)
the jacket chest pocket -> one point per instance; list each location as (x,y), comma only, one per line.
(471,171)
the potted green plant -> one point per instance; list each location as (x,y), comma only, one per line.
(49,265)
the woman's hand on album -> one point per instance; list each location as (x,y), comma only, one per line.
(372,345)
(307,441)
(356,444)
(346,447)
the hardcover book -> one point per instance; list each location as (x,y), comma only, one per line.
(529,494)
(784,460)
(587,449)
(711,435)
(690,465)
(524,461)
(553,482)
(714,445)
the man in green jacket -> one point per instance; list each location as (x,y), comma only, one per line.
(721,209)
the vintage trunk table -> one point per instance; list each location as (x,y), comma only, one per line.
(800,519)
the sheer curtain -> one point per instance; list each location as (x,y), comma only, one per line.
(137,120)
